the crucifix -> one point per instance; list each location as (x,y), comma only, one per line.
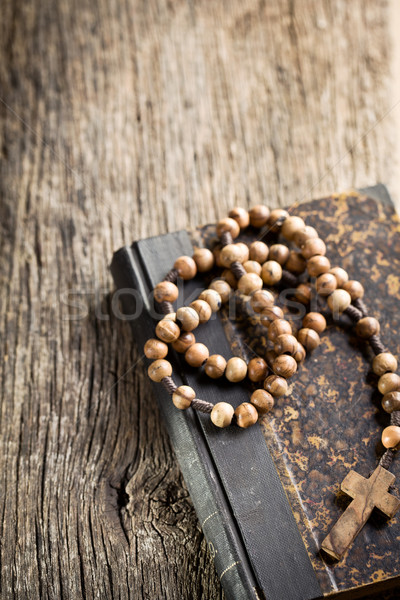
(367,494)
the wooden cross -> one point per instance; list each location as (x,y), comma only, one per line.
(367,494)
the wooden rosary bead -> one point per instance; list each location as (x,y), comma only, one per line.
(188,318)
(213,299)
(284,365)
(155,349)
(326,284)
(354,288)
(339,300)
(300,353)
(301,236)
(271,272)
(257,369)
(313,247)
(186,267)
(222,414)
(389,382)
(275,385)
(290,227)
(303,293)
(217,256)
(279,253)
(341,276)
(259,215)
(250,282)
(170,317)
(240,215)
(383,363)
(166,291)
(271,314)
(229,277)
(276,218)
(261,299)
(286,344)
(232,253)
(309,338)
(263,401)
(277,328)
(316,265)
(167,331)
(245,249)
(251,266)
(391,402)
(246,415)
(196,355)
(222,287)
(295,263)
(184,341)
(204,259)
(229,225)
(203,309)
(215,366)
(236,369)
(316,321)
(391,436)
(159,369)
(258,251)
(367,327)
(182,397)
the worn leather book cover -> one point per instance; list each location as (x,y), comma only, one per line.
(266,497)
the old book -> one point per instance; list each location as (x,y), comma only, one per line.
(266,497)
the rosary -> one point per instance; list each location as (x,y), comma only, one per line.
(247,269)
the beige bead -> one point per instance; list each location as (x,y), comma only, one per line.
(354,288)
(196,355)
(276,219)
(166,291)
(257,369)
(167,331)
(233,253)
(313,247)
(236,369)
(338,301)
(286,344)
(186,267)
(300,353)
(316,265)
(217,256)
(159,369)
(261,299)
(284,365)
(308,338)
(204,259)
(155,349)
(290,227)
(389,382)
(241,216)
(245,249)
(303,293)
(251,266)
(277,328)
(271,314)
(222,414)
(258,251)
(275,385)
(367,327)
(301,237)
(383,363)
(391,401)
(213,299)
(250,282)
(326,284)
(316,321)
(184,341)
(340,274)
(271,272)
(229,277)
(279,253)
(391,436)
(187,318)
(259,215)
(203,309)
(263,401)
(215,366)
(246,415)
(170,317)
(229,225)
(222,287)
(182,397)
(295,263)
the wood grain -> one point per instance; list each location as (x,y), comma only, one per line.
(120,121)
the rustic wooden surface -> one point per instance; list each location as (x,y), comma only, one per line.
(120,121)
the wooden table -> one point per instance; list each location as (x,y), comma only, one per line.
(121,120)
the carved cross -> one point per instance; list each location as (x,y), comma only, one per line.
(367,494)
